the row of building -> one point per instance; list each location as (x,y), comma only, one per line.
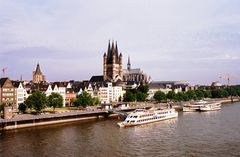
(16,92)
(109,87)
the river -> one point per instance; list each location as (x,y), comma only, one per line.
(215,133)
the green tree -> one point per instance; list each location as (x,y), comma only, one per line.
(184,97)
(22,108)
(170,95)
(160,96)
(95,101)
(55,100)
(219,93)
(199,94)
(207,94)
(191,95)
(36,101)
(140,96)
(143,88)
(83,100)
(180,96)
(234,91)
(129,96)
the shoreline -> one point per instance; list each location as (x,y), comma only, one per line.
(73,116)
(25,121)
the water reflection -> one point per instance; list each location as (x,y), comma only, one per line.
(191,134)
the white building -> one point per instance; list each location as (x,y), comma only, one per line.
(21,93)
(166,86)
(57,88)
(109,93)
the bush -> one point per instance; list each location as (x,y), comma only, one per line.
(22,108)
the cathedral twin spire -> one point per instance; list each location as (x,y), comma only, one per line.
(112,53)
(112,63)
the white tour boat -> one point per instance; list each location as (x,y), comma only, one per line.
(143,116)
(194,107)
(211,106)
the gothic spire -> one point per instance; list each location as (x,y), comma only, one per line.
(38,71)
(109,48)
(116,53)
(128,64)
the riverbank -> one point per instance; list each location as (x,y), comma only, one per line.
(28,120)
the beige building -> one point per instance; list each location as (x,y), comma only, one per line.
(112,64)
(7,93)
(135,75)
(113,67)
(37,75)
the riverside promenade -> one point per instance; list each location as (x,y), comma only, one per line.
(29,120)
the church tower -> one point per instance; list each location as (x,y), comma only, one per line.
(37,75)
(112,63)
(129,64)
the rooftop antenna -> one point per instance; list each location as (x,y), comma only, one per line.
(4,71)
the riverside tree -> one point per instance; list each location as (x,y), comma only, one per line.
(55,100)
(138,94)
(160,96)
(129,96)
(22,108)
(83,100)
(36,101)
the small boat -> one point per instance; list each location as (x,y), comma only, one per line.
(194,107)
(213,106)
(143,116)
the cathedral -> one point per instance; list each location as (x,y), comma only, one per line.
(37,75)
(113,67)
(112,64)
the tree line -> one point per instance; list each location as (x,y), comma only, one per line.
(39,101)
(138,94)
(196,94)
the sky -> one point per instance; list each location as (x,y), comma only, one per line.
(196,41)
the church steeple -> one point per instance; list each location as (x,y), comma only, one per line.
(112,63)
(37,75)
(129,64)
(116,54)
(38,71)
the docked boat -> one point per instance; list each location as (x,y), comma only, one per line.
(143,116)
(213,106)
(194,107)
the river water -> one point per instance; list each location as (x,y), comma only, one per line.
(215,133)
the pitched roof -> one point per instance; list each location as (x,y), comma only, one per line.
(97,78)
(3,80)
(38,71)
(16,83)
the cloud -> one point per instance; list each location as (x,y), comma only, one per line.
(185,33)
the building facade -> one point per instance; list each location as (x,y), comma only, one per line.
(38,76)
(113,68)
(109,93)
(7,93)
(112,64)
(21,92)
(167,86)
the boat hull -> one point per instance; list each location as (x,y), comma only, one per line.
(122,124)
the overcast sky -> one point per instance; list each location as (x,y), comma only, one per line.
(193,40)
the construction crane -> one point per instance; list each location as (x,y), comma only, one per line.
(4,71)
(228,78)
